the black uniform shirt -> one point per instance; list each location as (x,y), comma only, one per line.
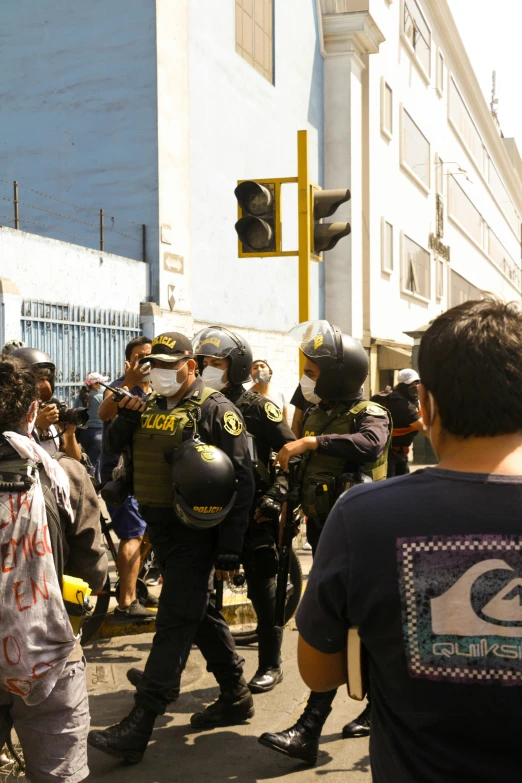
(215,430)
(436,598)
(365,444)
(403,412)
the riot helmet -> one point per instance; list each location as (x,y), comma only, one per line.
(221,343)
(342,359)
(204,484)
(12,345)
(38,360)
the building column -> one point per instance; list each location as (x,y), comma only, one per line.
(348,38)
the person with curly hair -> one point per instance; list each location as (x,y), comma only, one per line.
(43,689)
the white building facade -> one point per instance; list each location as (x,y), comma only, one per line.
(439,196)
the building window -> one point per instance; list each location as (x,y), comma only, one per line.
(502,259)
(440,73)
(416,269)
(415,152)
(501,195)
(461,290)
(462,209)
(254,34)
(416,31)
(460,119)
(386,109)
(387,247)
(440,278)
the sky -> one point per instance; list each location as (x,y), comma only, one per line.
(491,34)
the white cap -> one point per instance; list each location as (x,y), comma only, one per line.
(95,377)
(408,376)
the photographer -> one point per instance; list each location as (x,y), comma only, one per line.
(51,504)
(53,435)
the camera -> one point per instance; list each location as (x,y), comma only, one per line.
(76,416)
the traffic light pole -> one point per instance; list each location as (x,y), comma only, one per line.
(305,209)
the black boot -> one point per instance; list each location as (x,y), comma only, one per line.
(128,739)
(302,740)
(265,679)
(234,705)
(360,727)
(135,676)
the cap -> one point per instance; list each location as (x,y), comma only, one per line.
(408,376)
(264,362)
(169,347)
(95,377)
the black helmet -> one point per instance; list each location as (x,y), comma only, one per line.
(342,360)
(37,360)
(204,484)
(220,342)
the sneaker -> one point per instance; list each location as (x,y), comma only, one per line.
(307,546)
(151,601)
(135,611)
(128,739)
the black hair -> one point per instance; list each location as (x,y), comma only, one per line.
(83,394)
(17,392)
(132,344)
(470,360)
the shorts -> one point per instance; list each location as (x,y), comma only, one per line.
(53,734)
(127,521)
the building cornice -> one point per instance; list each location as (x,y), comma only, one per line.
(352,32)
(469,84)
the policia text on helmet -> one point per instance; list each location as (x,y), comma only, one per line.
(346,441)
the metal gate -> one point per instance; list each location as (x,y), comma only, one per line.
(79,339)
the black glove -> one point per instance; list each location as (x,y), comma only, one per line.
(269,507)
(132,417)
(227,562)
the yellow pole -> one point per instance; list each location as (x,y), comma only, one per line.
(305,216)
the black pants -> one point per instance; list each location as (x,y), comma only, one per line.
(186,612)
(397,464)
(259,541)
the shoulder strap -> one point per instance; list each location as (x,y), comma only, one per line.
(54,521)
(361,406)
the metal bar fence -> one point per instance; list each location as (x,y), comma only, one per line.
(79,339)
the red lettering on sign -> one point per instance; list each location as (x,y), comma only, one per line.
(47,540)
(35,587)
(23,500)
(19,596)
(11,650)
(4,553)
(38,545)
(44,668)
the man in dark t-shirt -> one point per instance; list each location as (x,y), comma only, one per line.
(436,595)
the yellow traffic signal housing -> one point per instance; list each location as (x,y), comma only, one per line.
(325,203)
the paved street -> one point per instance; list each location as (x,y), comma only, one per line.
(178,753)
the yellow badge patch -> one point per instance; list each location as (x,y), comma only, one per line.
(232,424)
(273,412)
(318,341)
(374,410)
(206,452)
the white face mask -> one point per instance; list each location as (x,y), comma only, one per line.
(308,387)
(213,378)
(166,382)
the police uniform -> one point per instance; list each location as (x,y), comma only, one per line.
(404,412)
(265,422)
(353,437)
(186,556)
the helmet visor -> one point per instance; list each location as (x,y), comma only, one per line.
(315,339)
(213,342)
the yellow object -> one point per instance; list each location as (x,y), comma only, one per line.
(75,590)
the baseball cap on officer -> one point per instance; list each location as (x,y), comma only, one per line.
(169,347)
(408,376)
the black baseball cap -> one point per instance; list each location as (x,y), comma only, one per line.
(169,347)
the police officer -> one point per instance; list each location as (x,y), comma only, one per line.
(345,441)
(225,361)
(403,405)
(156,429)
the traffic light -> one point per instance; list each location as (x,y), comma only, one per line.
(258,210)
(326,202)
